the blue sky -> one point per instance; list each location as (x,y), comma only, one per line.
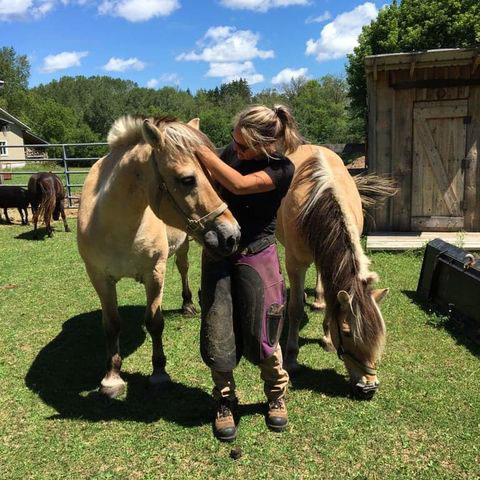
(186,43)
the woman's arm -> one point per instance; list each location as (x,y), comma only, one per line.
(232,180)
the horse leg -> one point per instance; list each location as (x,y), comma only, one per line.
(112,384)
(326,340)
(64,218)
(26,215)
(35,212)
(155,323)
(49,228)
(20,211)
(6,215)
(181,260)
(319,303)
(296,275)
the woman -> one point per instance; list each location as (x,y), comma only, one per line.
(242,296)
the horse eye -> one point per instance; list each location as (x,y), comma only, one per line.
(188,181)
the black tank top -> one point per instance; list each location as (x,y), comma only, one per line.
(257,213)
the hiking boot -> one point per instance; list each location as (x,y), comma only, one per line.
(277,417)
(224,426)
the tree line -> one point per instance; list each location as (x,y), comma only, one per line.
(82,109)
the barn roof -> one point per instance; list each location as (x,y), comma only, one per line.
(8,119)
(424,59)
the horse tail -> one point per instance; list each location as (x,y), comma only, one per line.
(47,205)
(374,189)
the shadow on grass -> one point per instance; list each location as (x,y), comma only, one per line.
(463,330)
(328,382)
(30,235)
(66,374)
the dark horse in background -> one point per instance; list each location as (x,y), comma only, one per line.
(46,194)
(14,197)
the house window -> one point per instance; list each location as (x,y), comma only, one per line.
(3,148)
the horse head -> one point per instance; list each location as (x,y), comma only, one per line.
(182,190)
(357,332)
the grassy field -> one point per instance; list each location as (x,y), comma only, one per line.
(423,423)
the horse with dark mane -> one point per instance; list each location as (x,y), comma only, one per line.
(46,193)
(320,221)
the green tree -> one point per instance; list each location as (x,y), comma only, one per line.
(321,108)
(15,72)
(409,26)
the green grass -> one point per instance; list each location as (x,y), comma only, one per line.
(423,423)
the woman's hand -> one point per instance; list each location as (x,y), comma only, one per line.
(232,180)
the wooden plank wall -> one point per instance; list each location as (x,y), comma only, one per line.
(402,154)
(390,139)
(383,144)
(472,172)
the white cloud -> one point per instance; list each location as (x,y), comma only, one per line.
(52,63)
(165,78)
(19,9)
(234,71)
(261,5)
(322,18)
(120,65)
(339,37)
(138,10)
(288,74)
(227,44)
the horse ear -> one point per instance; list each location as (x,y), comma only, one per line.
(344,299)
(379,294)
(152,134)
(194,123)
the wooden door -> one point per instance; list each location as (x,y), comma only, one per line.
(439,149)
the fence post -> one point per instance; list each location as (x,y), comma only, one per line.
(67,176)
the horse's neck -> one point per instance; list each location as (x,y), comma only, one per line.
(128,182)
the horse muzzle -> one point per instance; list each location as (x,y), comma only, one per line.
(365,391)
(222,239)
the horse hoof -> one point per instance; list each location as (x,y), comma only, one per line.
(189,310)
(318,306)
(112,391)
(67,229)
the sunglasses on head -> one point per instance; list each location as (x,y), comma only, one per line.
(240,146)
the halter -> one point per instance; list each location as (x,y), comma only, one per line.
(342,354)
(194,225)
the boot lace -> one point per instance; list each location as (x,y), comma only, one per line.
(278,404)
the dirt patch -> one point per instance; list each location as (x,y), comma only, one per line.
(14,216)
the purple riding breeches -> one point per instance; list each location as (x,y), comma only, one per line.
(242,300)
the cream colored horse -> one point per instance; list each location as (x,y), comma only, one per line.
(320,221)
(150,177)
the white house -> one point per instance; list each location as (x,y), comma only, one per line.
(15,132)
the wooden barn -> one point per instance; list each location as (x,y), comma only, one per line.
(424,130)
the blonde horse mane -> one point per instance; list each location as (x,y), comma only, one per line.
(178,136)
(329,228)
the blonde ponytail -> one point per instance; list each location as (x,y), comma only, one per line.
(269,130)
